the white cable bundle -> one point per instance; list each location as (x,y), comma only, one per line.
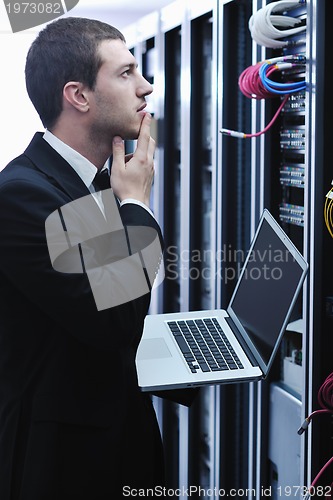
(264,25)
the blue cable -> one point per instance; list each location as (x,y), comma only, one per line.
(276,87)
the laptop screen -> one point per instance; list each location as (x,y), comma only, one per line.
(266,292)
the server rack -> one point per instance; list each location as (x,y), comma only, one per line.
(172,217)
(296,141)
(209,193)
(233,214)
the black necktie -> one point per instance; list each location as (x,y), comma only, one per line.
(102,180)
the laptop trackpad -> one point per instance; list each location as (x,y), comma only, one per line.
(153,348)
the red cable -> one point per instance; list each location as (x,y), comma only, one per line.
(268,126)
(321,471)
(325,393)
(250,83)
(325,399)
(251,86)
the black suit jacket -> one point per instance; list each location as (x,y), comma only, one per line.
(73,422)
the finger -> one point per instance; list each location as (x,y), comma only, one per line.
(118,151)
(144,136)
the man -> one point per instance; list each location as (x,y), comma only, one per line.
(73,422)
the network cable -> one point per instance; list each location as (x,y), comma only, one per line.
(268,28)
(255,82)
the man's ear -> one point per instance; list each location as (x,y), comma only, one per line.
(75,95)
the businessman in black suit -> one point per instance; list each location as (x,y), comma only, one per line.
(73,422)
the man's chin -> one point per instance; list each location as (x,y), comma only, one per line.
(129,135)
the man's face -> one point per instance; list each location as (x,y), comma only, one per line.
(118,100)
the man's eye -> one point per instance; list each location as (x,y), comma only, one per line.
(126,73)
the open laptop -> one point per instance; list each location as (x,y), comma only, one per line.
(174,350)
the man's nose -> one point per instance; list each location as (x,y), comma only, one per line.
(145,88)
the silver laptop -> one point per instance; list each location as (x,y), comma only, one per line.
(196,348)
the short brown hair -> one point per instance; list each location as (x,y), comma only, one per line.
(65,50)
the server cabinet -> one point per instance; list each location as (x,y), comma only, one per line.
(172,171)
(233,215)
(287,173)
(172,223)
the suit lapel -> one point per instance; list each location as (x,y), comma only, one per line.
(47,160)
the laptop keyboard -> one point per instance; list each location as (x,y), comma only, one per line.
(204,345)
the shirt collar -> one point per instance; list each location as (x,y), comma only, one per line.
(82,166)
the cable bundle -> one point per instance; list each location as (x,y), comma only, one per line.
(265,27)
(255,82)
(328,211)
(281,88)
(251,85)
(325,399)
